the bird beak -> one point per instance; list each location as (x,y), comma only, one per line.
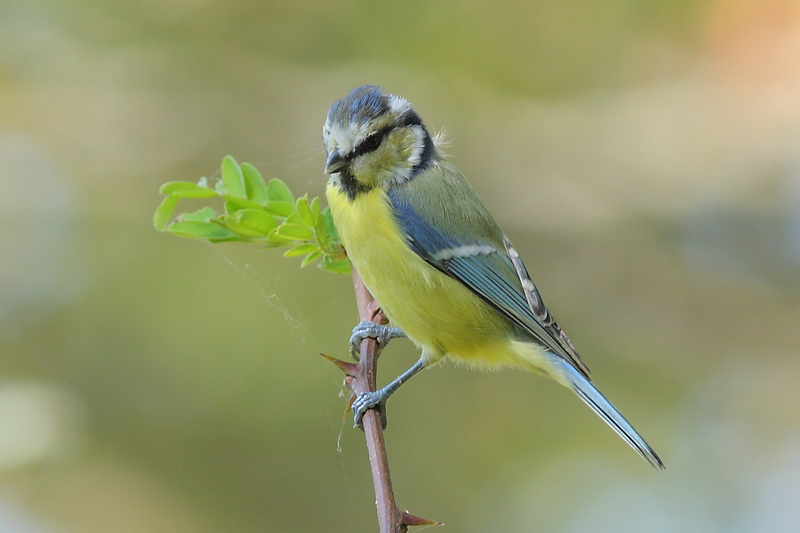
(335,163)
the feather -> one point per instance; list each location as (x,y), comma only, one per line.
(492,272)
(605,410)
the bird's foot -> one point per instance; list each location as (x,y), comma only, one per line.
(366,401)
(372,330)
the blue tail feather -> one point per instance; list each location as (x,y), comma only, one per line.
(605,410)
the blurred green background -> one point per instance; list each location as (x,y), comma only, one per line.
(644,157)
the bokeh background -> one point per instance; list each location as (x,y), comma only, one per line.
(644,157)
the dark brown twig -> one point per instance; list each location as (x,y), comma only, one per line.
(361,377)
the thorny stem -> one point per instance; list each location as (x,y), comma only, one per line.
(361,377)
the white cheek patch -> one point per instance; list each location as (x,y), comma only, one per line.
(402,173)
(417,146)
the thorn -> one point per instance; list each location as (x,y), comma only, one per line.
(349,407)
(376,314)
(348,368)
(408,519)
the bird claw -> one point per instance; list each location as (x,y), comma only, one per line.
(371,330)
(366,401)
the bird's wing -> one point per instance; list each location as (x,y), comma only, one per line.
(488,266)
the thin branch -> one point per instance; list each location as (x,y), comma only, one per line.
(361,377)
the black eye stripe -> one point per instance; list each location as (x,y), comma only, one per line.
(371,143)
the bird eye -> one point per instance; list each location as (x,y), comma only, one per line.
(371,143)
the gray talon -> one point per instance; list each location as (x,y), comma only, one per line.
(366,401)
(371,330)
(377,399)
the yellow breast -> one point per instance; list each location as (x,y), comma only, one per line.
(435,311)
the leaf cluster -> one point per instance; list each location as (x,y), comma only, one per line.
(254,211)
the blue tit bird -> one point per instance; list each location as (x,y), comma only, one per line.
(434,258)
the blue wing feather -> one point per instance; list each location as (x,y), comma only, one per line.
(492,276)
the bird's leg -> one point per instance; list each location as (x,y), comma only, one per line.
(372,330)
(368,400)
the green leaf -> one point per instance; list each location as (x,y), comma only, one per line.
(234,225)
(172,186)
(254,184)
(201,215)
(281,209)
(196,193)
(279,192)
(340,266)
(248,233)
(328,227)
(295,231)
(233,203)
(186,189)
(301,249)
(304,212)
(279,240)
(164,211)
(255,211)
(315,212)
(257,220)
(200,230)
(310,258)
(232,177)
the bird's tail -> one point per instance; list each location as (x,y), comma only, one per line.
(600,405)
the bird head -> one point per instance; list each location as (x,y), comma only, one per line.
(374,140)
